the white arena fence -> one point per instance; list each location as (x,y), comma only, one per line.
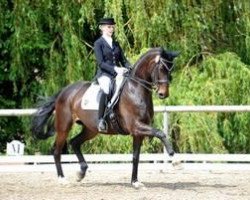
(110,162)
(160,162)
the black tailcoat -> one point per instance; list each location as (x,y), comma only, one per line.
(107,57)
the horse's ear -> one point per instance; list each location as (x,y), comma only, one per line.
(173,54)
(157,59)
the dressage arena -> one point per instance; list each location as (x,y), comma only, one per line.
(223,182)
(113,185)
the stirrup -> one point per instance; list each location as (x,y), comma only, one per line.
(102,126)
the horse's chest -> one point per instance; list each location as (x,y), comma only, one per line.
(145,110)
(141,102)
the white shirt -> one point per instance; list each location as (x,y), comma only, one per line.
(108,39)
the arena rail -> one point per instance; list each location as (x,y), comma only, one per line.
(123,161)
(106,162)
(158,109)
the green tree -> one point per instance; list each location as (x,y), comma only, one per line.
(46,45)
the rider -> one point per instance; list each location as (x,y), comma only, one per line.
(111,61)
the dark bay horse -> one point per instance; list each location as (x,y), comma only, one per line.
(134,110)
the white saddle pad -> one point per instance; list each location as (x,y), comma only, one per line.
(90,99)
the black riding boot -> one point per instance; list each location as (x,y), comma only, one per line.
(102,125)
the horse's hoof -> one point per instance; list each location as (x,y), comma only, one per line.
(177,164)
(171,153)
(80,176)
(138,185)
(63,181)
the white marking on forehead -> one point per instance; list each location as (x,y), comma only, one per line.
(157,59)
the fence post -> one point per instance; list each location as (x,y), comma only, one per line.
(165,126)
(165,122)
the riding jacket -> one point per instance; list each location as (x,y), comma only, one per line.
(107,57)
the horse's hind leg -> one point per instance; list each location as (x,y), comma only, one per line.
(63,125)
(60,141)
(76,143)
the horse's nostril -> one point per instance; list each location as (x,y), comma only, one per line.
(161,96)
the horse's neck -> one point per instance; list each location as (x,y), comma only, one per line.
(144,68)
(138,89)
(138,93)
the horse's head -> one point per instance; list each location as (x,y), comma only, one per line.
(153,70)
(161,74)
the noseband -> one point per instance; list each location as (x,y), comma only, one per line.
(149,85)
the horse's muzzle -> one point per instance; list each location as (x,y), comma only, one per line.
(162,91)
(162,95)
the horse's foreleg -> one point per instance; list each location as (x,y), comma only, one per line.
(162,136)
(76,143)
(137,141)
(136,156)
(146,130)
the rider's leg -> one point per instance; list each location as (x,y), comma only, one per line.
(105,84)
(102,125)
(118,84)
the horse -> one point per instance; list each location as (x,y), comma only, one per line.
(134,111)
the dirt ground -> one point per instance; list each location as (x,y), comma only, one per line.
(174,185)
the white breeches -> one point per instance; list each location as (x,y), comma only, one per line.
(105,83)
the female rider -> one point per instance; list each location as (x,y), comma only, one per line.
(111,61)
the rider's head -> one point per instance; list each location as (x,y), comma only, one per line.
(107,26)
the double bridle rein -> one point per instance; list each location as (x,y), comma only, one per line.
(151,85)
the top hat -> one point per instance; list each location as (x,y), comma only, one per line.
(107,21)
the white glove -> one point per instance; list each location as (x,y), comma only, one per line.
(120,70)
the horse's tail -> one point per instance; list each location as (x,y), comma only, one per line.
(42,125)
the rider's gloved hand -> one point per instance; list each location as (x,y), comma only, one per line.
(120,70)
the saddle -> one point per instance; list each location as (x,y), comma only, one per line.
(91,98)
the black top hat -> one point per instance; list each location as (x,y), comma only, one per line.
(107,21)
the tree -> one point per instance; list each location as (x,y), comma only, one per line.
(46,45)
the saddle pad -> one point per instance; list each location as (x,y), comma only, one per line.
(90,99)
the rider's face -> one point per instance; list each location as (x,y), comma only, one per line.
(108,29)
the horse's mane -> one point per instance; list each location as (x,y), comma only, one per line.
(152,51)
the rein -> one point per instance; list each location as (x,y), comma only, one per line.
(142,82)
(149,85)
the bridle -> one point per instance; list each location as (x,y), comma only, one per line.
(152,85)
(162,63)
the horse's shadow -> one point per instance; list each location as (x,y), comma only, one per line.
(184,185)
(164,185)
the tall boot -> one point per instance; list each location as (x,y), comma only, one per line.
(102,124)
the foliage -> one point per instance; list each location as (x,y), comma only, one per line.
(45,45)
(219,80)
